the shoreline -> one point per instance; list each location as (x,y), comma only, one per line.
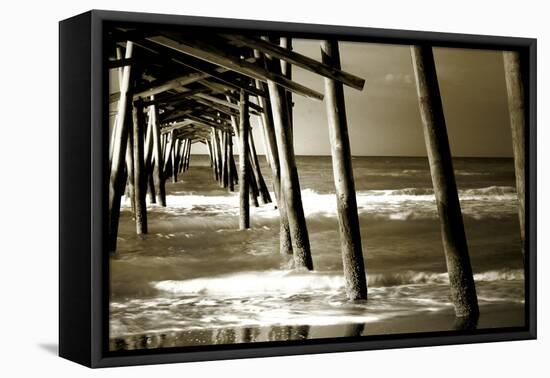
(502,315)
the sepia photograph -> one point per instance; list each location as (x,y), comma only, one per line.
(270,187)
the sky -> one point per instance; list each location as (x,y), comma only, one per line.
(383,118)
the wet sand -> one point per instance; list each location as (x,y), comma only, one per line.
(492,316)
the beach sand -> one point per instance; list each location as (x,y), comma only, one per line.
(493,316)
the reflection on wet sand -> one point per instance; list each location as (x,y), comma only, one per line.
(224,336)
(496,315)
(218,336)
(466,323)
(355,329)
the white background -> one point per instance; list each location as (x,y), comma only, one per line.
(29,186)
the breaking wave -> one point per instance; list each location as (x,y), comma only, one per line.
(398,204)
(477,193)
(289,283)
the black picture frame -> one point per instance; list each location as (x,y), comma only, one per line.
(83,260)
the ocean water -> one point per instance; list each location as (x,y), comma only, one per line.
(195,279)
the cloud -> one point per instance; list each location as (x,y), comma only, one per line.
(398,78)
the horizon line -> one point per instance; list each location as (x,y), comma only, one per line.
(396,156)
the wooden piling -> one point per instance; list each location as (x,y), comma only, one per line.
(218,156)
(214,154)
(209,149)
(290,185)
(117,174)
(463,291)
(151,189)
(225,157)
(231,162)
(120,73)
(244,218)
(158,176)
(163,144)
(285,242)
(181,155)
(286,70)
(168,146)
(233,167)
(175,158)
(253,188)
(348,219)
(140,187)
(256,170)
(130,187)
(184,154)
(188,154)
(149,160)
(253,191)
(517,110)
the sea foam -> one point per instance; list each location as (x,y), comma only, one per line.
(288,283)
(395,204)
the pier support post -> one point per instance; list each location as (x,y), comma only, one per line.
(225,157)
(168,146)
(253,191)
(285,241)
(348,219)
(209,147)
(117,178)
(290,185)
(187,154)
(120,75)
(255,163)
(151,187)
(158,176)
(233,167)
(230,162)
(130,188)
(149,160)
(218,157)
(163,144)
(140,183)
(175,158)
(214,154)
(181,155)
(286,71)
(463,290)
(516,107)
(244,169)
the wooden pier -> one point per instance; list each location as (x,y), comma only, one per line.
(176,89)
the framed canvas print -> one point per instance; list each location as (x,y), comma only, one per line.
(233,188)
